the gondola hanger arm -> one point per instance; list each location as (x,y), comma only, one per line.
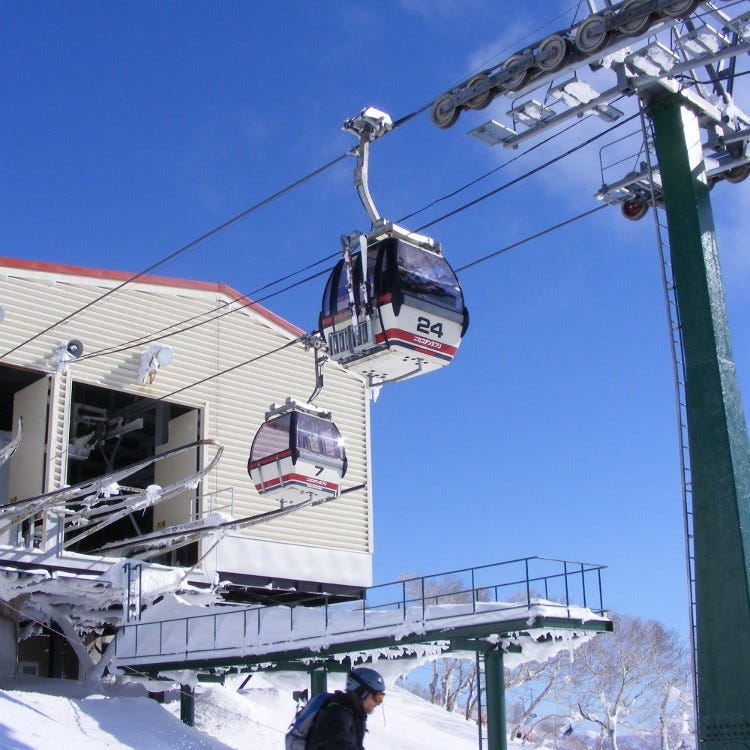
(368,126)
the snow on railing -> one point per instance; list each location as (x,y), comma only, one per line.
(533,587)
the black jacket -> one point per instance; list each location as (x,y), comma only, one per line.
(339,725)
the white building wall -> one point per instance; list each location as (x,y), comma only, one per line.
(233,405)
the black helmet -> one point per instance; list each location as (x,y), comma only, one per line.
(363,681)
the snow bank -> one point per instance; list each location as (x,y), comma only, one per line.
(257,717)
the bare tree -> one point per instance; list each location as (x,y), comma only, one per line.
(436,590)
(672,685)
(452,683)
(464,671)
(635,678)
(471,704)
(526,714)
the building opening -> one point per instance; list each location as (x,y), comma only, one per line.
(110,430)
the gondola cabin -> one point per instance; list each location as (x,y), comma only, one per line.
(297,455)
(408,315)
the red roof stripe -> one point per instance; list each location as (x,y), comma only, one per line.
(99,273)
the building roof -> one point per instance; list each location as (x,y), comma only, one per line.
(163,281)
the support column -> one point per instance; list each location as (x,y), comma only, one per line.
(494,680)
(187,705)
(318,681)
(8,644)
(718,440)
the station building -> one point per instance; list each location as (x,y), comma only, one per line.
(106,371)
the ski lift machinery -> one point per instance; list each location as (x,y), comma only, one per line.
(297,454)
(392,308)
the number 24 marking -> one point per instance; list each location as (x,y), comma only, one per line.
(425,325)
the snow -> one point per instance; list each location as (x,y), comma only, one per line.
(175,627)
(225,717)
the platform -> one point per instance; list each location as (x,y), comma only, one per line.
(527,608)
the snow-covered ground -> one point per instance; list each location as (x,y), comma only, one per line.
(255,717)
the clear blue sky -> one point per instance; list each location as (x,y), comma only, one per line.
(130,129)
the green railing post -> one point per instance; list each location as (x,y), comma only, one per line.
(528,584)
(718,440)
(494,680)
(318,681)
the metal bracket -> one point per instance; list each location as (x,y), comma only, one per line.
(291,404)
(368,126)
(315,342)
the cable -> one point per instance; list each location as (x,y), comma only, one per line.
(229,369)
(473,263)
(536,169)
(167,331)
(484,176)
(163,332)
(245,213)
(531,237)
(533,34)
(196,242)
(184,249)
(242,215)
(720,77)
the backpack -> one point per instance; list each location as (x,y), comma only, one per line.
(296,735)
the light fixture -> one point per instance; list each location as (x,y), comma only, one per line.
(65,352)
(157,356)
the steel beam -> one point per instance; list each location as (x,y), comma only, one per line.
(497,738)
(717,432)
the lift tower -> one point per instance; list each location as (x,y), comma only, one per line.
(700,136)
(717,433)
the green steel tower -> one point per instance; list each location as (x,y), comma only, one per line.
(678,58)
(717,434)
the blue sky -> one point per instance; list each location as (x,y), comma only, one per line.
(129,130)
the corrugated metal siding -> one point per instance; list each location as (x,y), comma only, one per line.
(234,403)
(58,428)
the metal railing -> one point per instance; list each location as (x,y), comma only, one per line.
(218,500)
(554,588)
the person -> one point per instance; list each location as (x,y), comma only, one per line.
(342,721)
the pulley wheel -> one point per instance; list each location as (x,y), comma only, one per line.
(517,79)
(591,35)
(634,210)
(480,101)
(737,174)
(552,53)
(636,26)
(680,8)
(444,112)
